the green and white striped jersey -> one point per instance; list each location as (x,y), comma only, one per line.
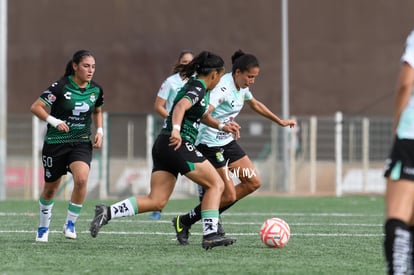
(73,105)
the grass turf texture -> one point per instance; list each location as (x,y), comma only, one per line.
(328,236)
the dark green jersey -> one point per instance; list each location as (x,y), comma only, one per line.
(195,91)
(73,105)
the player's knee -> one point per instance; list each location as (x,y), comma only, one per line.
(80,183)
(253,184)
(228,197)
(158,204)
(48,194)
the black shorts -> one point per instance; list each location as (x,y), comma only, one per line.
(400,163)
(220,156)
(56,158)
(181,161)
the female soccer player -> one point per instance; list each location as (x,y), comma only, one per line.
(167,93)
(170,87)
(74,100)
(174,152)
(399,171)
(221,148)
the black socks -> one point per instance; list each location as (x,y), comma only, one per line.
(398,246)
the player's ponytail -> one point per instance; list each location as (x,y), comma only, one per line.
(203,64)
(77,57)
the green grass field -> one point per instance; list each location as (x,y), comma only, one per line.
(329,236)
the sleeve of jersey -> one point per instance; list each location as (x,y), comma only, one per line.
(195,93)
(49,96)
(408,55)
(216,97)
(164,89)
(248,95)
(100,102)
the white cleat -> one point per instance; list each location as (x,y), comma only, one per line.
(69,230)
(42,235)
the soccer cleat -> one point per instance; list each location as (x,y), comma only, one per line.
(42,235)
(220,230)
(181,230)
(69,230)
(156,215)
(214,239)
(101,218)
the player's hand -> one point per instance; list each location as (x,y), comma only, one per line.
(62,127)
(232,128)
(288,122)
(97,141)
(175,139)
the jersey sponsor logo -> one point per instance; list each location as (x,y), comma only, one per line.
(202,102)
(50,97)
(223,89)
(198,88)
(222,135)
(68,95)
(80,107)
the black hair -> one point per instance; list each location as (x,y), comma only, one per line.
(243,61)
(178,67)
(203,64)
(77,58)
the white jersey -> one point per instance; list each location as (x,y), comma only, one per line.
(405,127)
(170,88)
(228,102)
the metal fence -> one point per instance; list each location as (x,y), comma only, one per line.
(123,169)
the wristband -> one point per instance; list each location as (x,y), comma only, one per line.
(177,127)
(53,121)
(99,131)
(221,126)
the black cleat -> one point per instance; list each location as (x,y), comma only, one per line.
(214,239)
(181,230)
(101,218)
(220,230)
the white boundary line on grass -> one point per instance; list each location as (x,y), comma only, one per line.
(267,214)
(194,233)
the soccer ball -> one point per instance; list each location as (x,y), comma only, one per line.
(275,233)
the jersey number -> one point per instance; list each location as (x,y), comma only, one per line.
(47,161)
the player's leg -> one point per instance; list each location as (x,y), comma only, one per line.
(79,159)
(162,185)
(206,176)
(54,164)
(398,245)
(80,173)
(46,203)
(218,158)
(248,176)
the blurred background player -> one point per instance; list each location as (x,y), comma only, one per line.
(399,171)
(74,101)
(170,87)
(221,148)
(167,93)
(174,152)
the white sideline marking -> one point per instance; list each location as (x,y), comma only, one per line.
(194,233)
(268,214)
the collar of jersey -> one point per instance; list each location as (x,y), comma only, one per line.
(76,85)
